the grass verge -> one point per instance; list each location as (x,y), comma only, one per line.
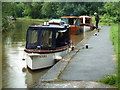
(114,37)
(110,79)
(27,18)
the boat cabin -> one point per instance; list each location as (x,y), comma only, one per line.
(73,21)
(47,37)
(85,20)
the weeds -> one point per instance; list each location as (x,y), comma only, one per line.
(110,79)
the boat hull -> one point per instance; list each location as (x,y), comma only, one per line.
(85,28)
(39,61)
(74,30)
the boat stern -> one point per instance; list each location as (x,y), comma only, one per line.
(39,61)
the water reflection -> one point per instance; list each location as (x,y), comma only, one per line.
(15,74)
(77,38)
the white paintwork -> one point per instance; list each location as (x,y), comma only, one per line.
(55,21)
(84,18)
(39,61)
(85,28)
(46,23)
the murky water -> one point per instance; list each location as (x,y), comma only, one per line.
(14,71)
(15,74)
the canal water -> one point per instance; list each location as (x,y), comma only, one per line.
(15,74)
(14,71)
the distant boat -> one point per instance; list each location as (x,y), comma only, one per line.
(45,44)
(11,17)
(86,23)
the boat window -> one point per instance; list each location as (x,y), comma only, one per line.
(81,21)
(46,40)
(77,22)
(32,37)
(72,21)
(87,21)
(62,38)
(65,20)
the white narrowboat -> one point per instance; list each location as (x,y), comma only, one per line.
(45,44)
(86,23)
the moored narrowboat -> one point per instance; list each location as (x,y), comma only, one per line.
(86,23)
(45,44)
(73,21)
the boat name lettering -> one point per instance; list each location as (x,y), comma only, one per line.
(43,56)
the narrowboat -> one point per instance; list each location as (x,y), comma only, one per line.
(86,23)
(73,21)
(45,44)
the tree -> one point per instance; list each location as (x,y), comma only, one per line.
(49,9)
(20,9)
(112,10)
(36,10)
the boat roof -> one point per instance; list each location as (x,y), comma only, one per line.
(87,17)
(56,21)
(38,27)
(69,17)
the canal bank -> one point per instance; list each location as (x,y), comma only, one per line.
(83,66)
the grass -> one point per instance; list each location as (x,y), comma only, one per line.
(110,79)
(28,18)
(114,37)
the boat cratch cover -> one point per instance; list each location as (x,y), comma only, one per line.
(47,37)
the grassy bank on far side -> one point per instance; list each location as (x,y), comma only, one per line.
(28,18)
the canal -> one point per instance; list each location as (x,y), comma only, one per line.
(14,71)
(15,74)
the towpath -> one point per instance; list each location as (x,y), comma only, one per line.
(82,66)
(92,63)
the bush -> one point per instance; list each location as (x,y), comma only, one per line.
(5,23)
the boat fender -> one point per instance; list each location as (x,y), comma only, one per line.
(86,46)
(95,34)
(72,48)
(57,57)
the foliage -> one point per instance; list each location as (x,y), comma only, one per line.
(109,11)
(58,9)
(6,11)
(49,9)
(110,79)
